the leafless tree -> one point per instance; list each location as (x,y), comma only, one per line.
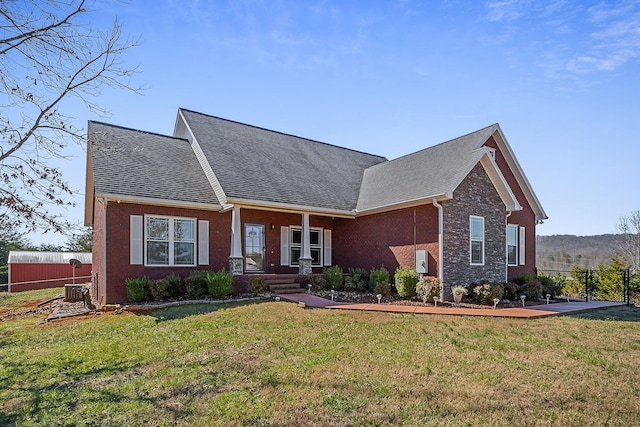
(629,227)
(48,55)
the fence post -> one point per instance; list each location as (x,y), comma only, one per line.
(586,285)
(627,285)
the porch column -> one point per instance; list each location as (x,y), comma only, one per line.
(236,260)
(305,258)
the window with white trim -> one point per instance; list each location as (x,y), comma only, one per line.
(169,241)
(295,245)
(512,244)
(476,240)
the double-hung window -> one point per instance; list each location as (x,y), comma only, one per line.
(476,246)
(315,242)
(516,245)
(170,241)
(512,244)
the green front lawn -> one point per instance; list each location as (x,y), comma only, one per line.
(275,363)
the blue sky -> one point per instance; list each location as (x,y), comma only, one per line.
(561,77)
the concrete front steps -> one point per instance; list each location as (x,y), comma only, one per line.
(283,285)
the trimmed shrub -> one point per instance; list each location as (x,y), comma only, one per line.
(137,289)
(159,289)
(511,292)
(173,281)
(256,286)
(317,281)
(382,288)
(551,285)
(360,279)
(406,279)
(427,288)
(485,292)
(219,283)
(196,284)
(349,284)
(522,279)
(380,275)
(532,290)
(333,276)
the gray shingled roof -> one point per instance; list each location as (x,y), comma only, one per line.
(263,165)
(431,172)
(129,162)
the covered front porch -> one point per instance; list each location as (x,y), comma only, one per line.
(265,242)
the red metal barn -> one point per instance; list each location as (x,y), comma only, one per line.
(30,270)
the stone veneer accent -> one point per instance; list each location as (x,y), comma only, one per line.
(305,266)
(236,266)
(476,196)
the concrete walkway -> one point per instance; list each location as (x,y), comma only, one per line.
(543,310)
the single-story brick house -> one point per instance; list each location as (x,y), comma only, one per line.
(219,193)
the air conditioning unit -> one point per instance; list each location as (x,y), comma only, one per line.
(74,293)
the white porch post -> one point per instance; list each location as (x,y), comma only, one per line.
(236,260)
(305,258)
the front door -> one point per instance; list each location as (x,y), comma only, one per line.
(253,247)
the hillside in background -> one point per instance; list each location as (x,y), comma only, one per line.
(560,253)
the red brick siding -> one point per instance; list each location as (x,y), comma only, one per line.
(388,239)
(119,268)
(524,218)
(118,238)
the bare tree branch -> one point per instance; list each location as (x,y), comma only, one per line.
(629,227)
(47,56)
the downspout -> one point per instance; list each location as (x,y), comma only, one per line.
(506,248)
(440,243)
(104,252)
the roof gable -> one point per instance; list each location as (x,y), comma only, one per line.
(256,164)
(131,163)
(430,173)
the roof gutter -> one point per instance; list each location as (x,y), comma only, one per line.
(287,208)
(404,204)
(118,198)
(440,243)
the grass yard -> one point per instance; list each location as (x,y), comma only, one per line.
(275,363)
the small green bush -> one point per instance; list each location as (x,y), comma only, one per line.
(317,281)
(511,292)
(256,286)
(333,276)
(173,281)
(379,275)
(382,288)
(159,289)
(219,283)
(349,284)
(196,284)
(532,290)
(406,279)
(523,278)
(551,285)
(427,288)
(360,279)
(137,289)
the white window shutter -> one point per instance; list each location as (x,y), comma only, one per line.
(203,242)
(284,245)
(523,259)
(327,248)
(135,239)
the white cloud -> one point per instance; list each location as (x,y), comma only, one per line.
(505,10)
